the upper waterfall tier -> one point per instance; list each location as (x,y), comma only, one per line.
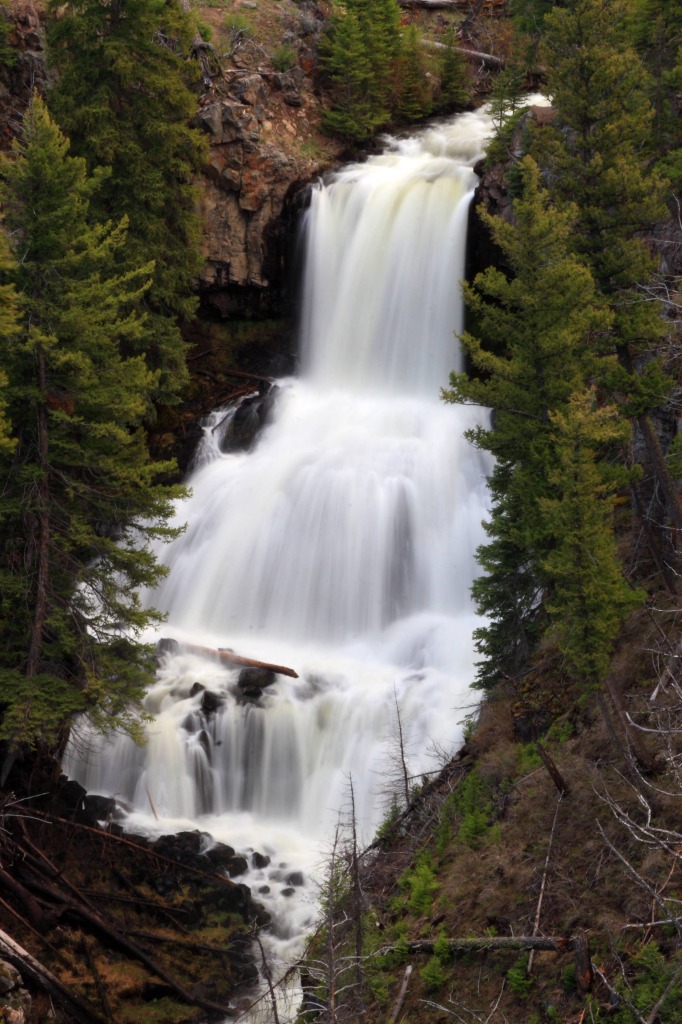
(385,255)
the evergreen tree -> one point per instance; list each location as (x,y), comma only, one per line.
(380,21)
(596,152)
(413,100)
(589,596)
(533,348)
(656,28)
(9,327)
(360,53)
(79,498)
(454,76)
(344,55)
(124,95)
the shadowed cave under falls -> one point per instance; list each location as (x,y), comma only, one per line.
(342,545)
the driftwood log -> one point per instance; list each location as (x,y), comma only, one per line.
(578,945)
(236,659)
(473,55)
(495,942)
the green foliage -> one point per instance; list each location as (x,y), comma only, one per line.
(596,150)
(433,974)
(79,492)
(385,830)
(237,25)
(374,74)
(569,981)
(656,30)
(421,885)
(517,978)
(651,975)
(528,758)
(560,732)
(534,345)
(283,58)
(446,822)
(455,89)
(528,15)
(344,57)
(474,810)
(124,95)
(589,596)
(8,53)
(413,100)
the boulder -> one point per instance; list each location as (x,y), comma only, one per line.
(210,702)
(256,678)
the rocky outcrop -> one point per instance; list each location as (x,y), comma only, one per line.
(23,67)
(259,122)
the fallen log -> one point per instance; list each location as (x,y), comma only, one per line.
(472,55)
(493,942)
(236,659)
(33,971)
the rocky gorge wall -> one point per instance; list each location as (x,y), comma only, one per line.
(261,124)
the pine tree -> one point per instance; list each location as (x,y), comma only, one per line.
(596,152)
(124,96)
(413,100)
(79,498)
(533,347)
(9,327)
(656,29)
(380,21)
(454,76)
(589,597)
(345,57)
(359,52)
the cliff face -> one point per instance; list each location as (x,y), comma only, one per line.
(262,127)
(262,124)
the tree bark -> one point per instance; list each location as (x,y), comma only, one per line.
(495,942)
(556,776)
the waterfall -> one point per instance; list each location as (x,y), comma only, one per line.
(342,545)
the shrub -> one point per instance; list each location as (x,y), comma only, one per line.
(283,58)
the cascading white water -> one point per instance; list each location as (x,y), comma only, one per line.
(343,545)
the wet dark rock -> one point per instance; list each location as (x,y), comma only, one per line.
(220,855)
(68,799)
(259,860)
(101,808)
(185,847)
(289,891)
(295,878)
(237,866)
(249,418)
(196,688)
(264,889)
(166,645)
(256,678)
(236,900)
(210,702)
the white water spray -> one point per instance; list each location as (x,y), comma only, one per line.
(343,545)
